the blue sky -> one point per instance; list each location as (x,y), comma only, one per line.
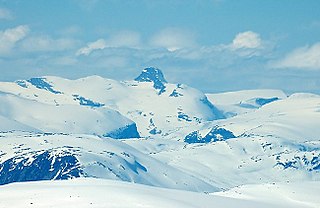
(214,45)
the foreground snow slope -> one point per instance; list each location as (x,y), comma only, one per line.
(99,193)
(302,194)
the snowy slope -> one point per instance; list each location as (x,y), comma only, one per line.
(255,160)
(299,194)
(30,157)
(295,118)
(158,108)
(105,193)
(240,102)
(19,113)
(9,124)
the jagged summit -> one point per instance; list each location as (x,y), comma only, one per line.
(151,74)
(155,75)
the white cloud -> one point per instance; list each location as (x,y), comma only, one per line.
(126,39)
(96,45)
(5,14)
(173,39)
(9,37)
(307,57)
(246,39)
(46,43)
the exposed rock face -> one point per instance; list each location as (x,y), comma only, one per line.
(154,75)
(40,165)
(215,134)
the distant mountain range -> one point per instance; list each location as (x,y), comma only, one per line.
(156,133)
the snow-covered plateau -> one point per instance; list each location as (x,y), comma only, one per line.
(101,193)
(97,142)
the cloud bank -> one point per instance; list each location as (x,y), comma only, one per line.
(126,39)
(307,57)
(243,63)
(9,38)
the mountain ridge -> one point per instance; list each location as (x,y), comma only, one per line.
(156,107)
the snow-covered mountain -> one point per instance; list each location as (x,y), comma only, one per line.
(159,109)
(168,135)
